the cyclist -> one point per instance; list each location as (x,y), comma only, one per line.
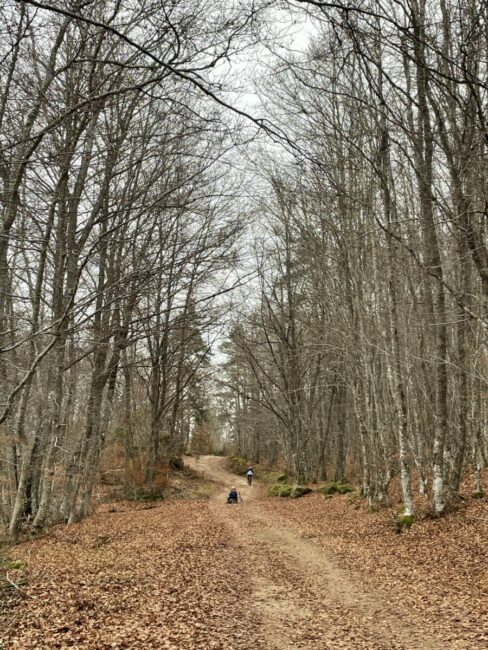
(249,475)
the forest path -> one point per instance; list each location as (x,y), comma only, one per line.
(265,574)
(300,597)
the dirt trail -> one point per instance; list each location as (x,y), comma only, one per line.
(301,598)
(198,574)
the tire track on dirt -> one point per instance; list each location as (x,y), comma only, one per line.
(301,598)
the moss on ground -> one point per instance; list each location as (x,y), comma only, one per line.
(280,490)
(403,521)
(336,487)
(299,491)
(406,521)
(287,490)
(17,575)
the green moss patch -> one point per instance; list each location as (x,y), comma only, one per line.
(280,490)
(406,521)
(287,490)
(403,521)
(299,491)
(333,487)
(17,576)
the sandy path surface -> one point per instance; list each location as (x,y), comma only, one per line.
(300,596)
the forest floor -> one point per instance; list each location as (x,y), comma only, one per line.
(266,574)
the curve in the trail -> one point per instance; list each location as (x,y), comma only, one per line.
(213,469)
(302,598)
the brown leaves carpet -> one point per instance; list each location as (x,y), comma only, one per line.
(310,574)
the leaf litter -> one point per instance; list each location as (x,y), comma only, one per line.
(269,574)
(433,577)
(166,577)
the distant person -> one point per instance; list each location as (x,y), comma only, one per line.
(233,496)
(249,475)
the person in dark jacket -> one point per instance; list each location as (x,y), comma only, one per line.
(233,496)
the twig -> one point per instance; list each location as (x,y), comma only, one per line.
(12,582)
